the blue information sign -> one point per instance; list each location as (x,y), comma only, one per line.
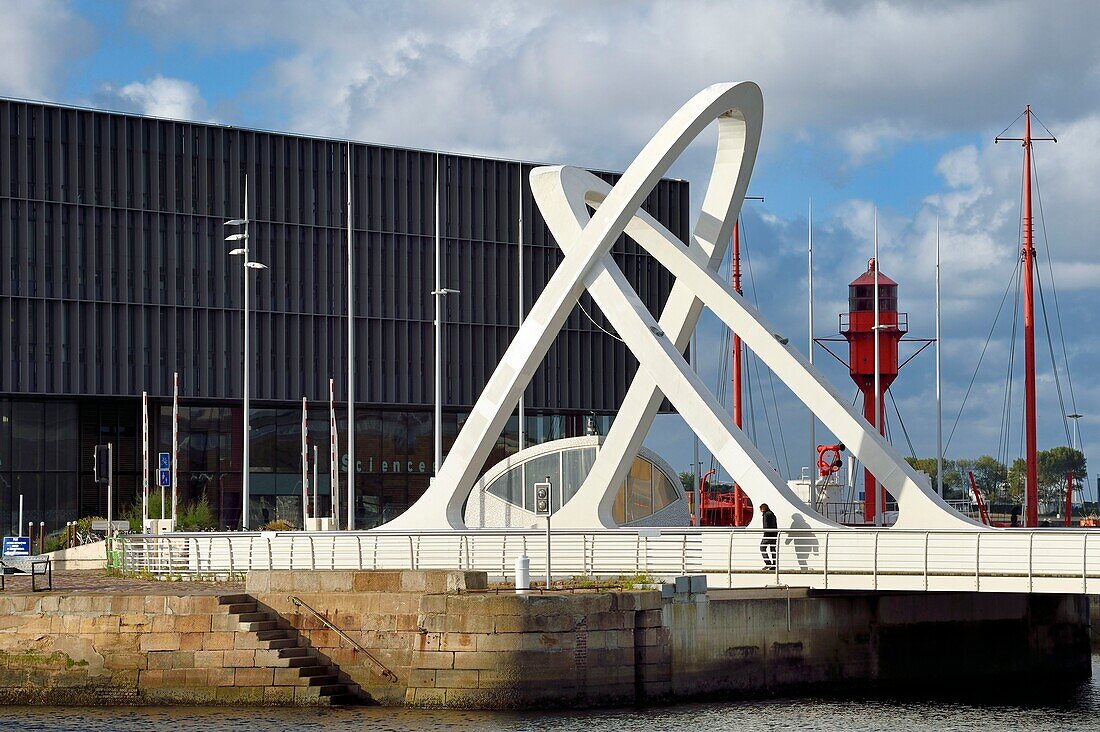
(165,478)
(165,461)
(17,546)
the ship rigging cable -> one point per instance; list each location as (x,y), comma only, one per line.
(981,356)
(756,364)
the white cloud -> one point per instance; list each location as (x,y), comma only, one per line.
(41,40)
(160,97)
(563,78)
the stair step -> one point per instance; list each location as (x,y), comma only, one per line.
(277,634)
(345,700)
(254,616)
(234,599)
(299,661)
(323,680)
(330,689)
(241,607)
(295,652)
(252,627)
(283,644)
(315,670)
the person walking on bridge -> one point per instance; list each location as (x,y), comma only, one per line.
(771,537)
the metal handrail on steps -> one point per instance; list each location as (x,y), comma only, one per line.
(386,673)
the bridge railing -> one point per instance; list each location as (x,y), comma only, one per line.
(1005,560)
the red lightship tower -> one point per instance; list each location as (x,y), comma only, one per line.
(858,328)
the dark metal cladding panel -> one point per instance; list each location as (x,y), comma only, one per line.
(114,271)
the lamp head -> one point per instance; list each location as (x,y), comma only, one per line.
(236,237)
(235,222)
(255,265)
(238,252)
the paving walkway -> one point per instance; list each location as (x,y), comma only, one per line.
(100,583)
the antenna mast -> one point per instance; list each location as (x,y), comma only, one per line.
(1027,272)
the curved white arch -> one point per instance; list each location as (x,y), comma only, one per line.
(564,195)
(739,110)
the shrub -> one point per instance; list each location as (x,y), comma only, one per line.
(278,525)
(197,515)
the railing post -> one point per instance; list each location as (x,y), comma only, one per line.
(729,562)
(977,563)
(874,576)
(312,553)
(412,554)
(1085,563)
(827,535)
(1030,560)
(776,548)
(926,561)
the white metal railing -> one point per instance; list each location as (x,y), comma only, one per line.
(859,559)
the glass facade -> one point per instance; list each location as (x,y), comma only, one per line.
(115,274)
(646,490)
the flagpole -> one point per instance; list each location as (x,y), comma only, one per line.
(333,457)
(939,394)
(810,311)
(351,359)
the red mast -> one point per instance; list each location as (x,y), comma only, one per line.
(1027,251)
(1027,272)
(735,366)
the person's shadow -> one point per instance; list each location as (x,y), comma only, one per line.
(803,539)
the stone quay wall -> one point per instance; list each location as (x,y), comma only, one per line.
(450,645)
(439,639)
(133,649)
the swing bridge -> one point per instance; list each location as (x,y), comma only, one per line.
(931,547)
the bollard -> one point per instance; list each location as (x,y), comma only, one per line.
(41,537)
(523,575)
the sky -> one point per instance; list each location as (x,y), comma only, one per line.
(887,106)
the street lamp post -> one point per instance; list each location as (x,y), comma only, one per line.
(247,264)
(439,293)
(1076,431)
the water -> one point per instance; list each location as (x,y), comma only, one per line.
(960,707)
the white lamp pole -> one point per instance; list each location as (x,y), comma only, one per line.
(878,382)
(247,264)
(439,292)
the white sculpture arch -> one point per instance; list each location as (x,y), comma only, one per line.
(563,195)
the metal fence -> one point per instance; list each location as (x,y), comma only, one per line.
(864,559)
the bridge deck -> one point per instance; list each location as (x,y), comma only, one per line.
(1043,560)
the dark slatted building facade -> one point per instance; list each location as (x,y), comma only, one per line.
(114,273)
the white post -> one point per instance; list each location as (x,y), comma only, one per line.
(245,417)
(810,311)
(878,382)
(315,480)
(695,466)
(939,396)
(522,413)
(438,294)
(110,488)
(144,458)
(305,469)
(175,441)
(333,457)
(351,359)
(549,575)
(19,523)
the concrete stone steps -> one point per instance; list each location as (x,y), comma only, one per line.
(283,649)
